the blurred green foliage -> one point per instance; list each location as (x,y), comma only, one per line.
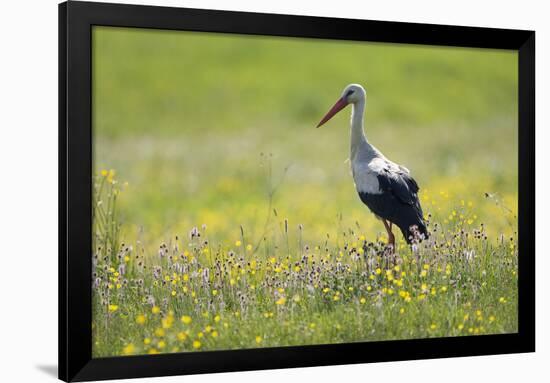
(184,118)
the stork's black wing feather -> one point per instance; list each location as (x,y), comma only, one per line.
(398,201)
(400,184)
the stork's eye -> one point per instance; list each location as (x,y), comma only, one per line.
(349,93)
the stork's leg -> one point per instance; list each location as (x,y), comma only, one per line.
(391,237)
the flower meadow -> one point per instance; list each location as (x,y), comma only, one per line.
(191,293)
(240,226)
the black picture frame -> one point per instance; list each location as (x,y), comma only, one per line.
(75,187)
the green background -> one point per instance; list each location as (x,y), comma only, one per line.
(184,118)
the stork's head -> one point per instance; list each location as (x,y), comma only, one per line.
(352,94)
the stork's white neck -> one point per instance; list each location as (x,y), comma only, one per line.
(359,146)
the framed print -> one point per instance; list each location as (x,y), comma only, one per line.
(246,191)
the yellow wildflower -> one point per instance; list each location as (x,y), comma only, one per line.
(159,332)
(281,301)
(140,319)
(128,350)
(182,336)
(186,319)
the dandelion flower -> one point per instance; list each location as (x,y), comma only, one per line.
(167,322)
(258,339)
(140,319)
(181,336)
(186,319)
(362,300)
(159,332)
(196,344)
(281,301)
(128,350)
(155,310)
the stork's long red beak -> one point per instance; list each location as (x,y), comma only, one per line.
(340,104)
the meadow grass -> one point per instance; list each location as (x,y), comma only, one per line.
(194,294)
(214,135)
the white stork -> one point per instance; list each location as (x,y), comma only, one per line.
(385,187)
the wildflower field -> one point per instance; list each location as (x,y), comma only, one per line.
(223,219)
